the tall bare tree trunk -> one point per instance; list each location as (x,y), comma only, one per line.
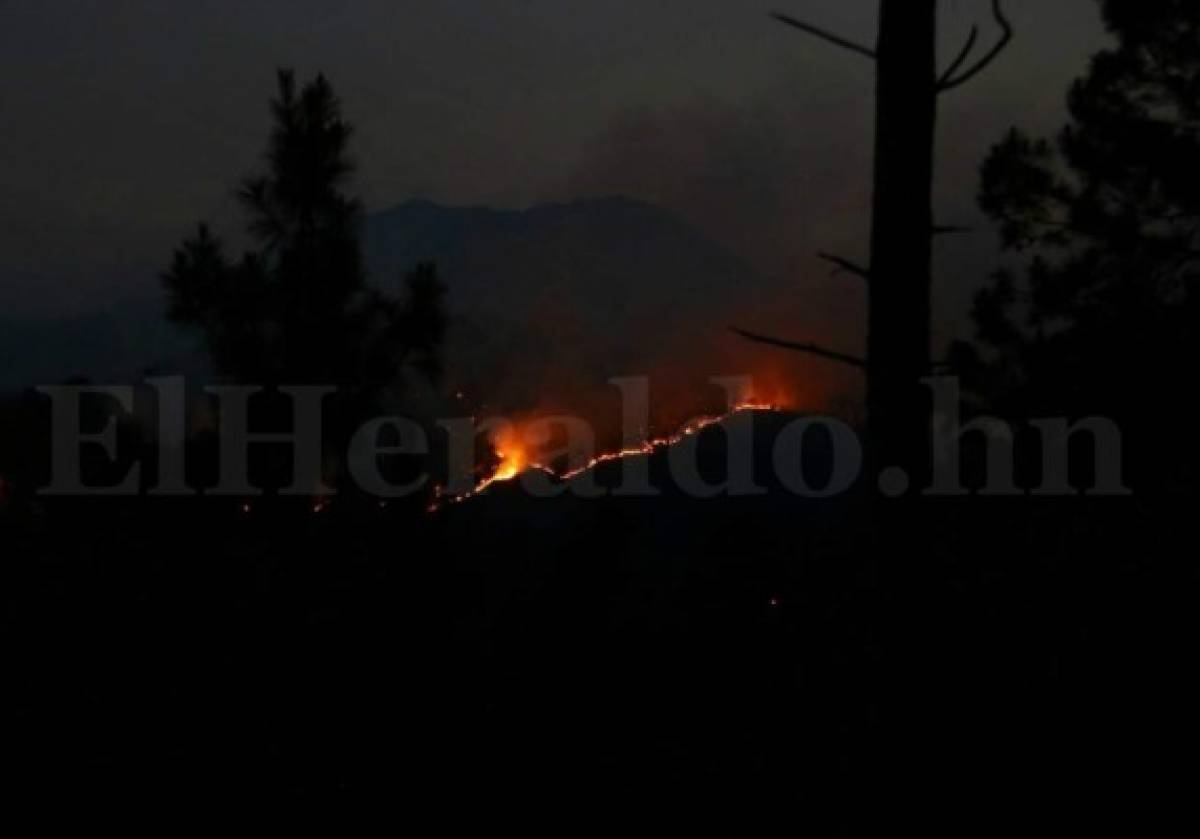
(898,343)
(899,275)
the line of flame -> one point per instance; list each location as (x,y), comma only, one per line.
(647,448)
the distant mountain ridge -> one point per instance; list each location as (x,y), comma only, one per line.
(589,288)
(546,298)
(603,251)
(116,345)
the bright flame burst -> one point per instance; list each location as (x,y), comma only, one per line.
(516,458)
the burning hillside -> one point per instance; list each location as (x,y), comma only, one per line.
(549,303)
(526,445)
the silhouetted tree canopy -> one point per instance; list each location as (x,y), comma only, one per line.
(1103,318)
(297,309)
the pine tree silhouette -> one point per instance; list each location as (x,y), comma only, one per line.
(1105,312)
(297,309)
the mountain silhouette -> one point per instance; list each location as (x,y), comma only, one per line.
(591,288)
(564,296)
(113,345)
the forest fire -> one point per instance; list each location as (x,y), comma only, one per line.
(516,455)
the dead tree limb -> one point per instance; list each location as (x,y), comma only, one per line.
(950,81)
(948,229)
(824,35)
(961,59)
(840,264)
(811,349)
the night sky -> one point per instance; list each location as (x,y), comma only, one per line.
(126,122)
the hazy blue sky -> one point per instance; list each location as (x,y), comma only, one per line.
(123,122)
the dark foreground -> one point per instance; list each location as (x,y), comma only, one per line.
(522,647)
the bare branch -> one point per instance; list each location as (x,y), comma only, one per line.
(963,54)
(811,349)
(947,229)
(846,265)
(949,83)
(823,35)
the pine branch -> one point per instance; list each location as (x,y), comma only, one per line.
(961,59)
(811,349)
(824,35)
(949,82)
(846,265)
(948,229)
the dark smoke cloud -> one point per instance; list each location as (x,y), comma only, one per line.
(780,174)
(772,183)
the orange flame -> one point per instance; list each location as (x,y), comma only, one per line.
(516,457)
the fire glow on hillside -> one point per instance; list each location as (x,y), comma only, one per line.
(515,455)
